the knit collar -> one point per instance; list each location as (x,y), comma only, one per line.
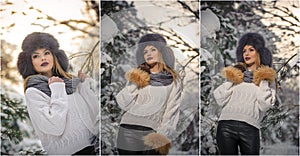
(40,82)
(248,76)
(163,78)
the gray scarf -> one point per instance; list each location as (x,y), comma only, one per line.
(163,78)
(40,82)
(248,76)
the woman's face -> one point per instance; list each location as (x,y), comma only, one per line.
(151,55)
(42,60)
(250,55)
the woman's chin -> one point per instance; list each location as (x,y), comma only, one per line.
(152,64)
(249,63)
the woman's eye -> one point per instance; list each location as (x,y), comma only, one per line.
(153,49)
(35,56)
(47,53)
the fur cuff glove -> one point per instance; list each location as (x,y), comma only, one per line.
(158,142)
(233,74)
(263,73)
(138,76)
(236,75)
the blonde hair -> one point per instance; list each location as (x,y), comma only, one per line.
(56,69)
(162,66)
(257,61)
(171,71)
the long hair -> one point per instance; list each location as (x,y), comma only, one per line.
(257,61)
(161,67)
(57,69)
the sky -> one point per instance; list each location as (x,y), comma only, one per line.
(59,9)
(155,14)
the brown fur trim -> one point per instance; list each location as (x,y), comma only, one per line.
(263,73)
(158,142)
(138,76)
(233,74)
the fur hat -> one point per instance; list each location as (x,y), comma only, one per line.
(159,42)
(31,43)
(258,42)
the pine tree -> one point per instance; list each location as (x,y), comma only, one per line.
(12,112)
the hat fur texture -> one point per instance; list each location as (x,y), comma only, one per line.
(33,42)
(158,42)
(235,75)
(258,42)
(158,142)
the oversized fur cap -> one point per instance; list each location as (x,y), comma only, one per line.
(31,43)
(258,42)
(159,42)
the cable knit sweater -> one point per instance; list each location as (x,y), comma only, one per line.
(244,101)
(64,123)
(151,106)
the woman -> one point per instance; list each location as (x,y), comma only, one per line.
(245,97)
(63,109)
(150,99)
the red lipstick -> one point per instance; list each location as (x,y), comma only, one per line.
(44,64)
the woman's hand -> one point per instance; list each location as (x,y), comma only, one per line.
(82,76)
(54,79)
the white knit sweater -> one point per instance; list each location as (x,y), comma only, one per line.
(245,101)
(64,123)
(152,106)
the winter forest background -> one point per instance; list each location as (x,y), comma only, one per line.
(123,23)
(203,36)
(222,24)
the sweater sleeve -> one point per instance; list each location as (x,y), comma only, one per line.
(86,90)
(171,114)
(127,96)
(48,114)
(265,96)
(222,93)
(91,108)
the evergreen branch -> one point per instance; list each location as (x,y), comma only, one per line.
(89,57)
(191,60)
(185,6)
(285,64)
(279,16)
(67,23)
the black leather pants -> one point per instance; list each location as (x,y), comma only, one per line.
(232,134)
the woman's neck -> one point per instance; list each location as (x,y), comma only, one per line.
(252,67)
(48,74)
(154,69)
